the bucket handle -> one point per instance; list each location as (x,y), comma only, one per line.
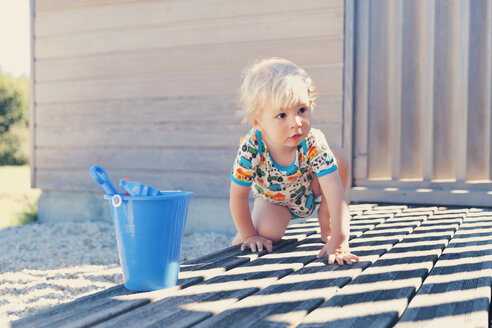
(116,200)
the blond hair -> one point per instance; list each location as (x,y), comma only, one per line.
(273,83)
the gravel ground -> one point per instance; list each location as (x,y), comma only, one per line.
(42,265)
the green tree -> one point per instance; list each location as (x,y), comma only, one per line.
(14,119)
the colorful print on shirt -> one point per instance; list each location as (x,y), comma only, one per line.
(287,186)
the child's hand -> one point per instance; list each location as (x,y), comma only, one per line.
(255,242)
(339,252)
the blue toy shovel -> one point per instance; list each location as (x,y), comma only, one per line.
(102,178)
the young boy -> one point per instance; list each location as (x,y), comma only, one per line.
(288,164)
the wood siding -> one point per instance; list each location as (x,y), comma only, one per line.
(148,89)
(422,101)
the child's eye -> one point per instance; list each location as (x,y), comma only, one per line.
(302,110)
(281,115)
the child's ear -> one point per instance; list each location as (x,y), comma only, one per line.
(255,123)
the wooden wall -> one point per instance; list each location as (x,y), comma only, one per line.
(148,89)
(422,105)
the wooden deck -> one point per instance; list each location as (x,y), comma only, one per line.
(419,267)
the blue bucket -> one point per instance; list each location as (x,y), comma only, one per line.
(148,231)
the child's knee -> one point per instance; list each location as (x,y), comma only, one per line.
(271,230)
(273,222)
(274,236)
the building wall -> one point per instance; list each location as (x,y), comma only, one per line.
(422,102)
(148,90)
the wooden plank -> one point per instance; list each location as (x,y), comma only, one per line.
(381,293)
(411,97)
(97,17)
(202,184)
(425,185)
(156,159)
(145,135)
(188,316)
(360,207)
(394,90)
(173,110)
(348,87)
(426,11)
(121,161)
(109,303)
(211,84)
(217,263)
(307,227)
(389,208)
(197,302)
(462,47)
(53,5)
(385,209)
(155,135)
(98,306)
(128,158)
(447,91)
(139,111)
(379,151)
(479,95)
(489,82)
(304,290)
(220,261)
(228,258)
(207,158)
(348,80)
(206,58)
(480,198)
(279,304)
(300,25)
(32,97)
(457,291)
(361,98)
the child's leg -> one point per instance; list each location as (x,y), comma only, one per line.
(344,172)
(270,220)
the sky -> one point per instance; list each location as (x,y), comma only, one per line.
(14,37)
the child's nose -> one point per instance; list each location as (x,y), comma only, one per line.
(297,121)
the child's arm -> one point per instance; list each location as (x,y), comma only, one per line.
(337,247)
(241,214)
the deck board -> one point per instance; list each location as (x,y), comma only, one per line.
(303,291)
(457,290)
(203,300)
(419,266)
(382,291)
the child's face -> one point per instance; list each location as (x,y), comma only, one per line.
(285,127)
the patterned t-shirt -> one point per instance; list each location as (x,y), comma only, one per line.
(288,186)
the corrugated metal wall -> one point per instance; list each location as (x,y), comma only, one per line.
(422,101)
